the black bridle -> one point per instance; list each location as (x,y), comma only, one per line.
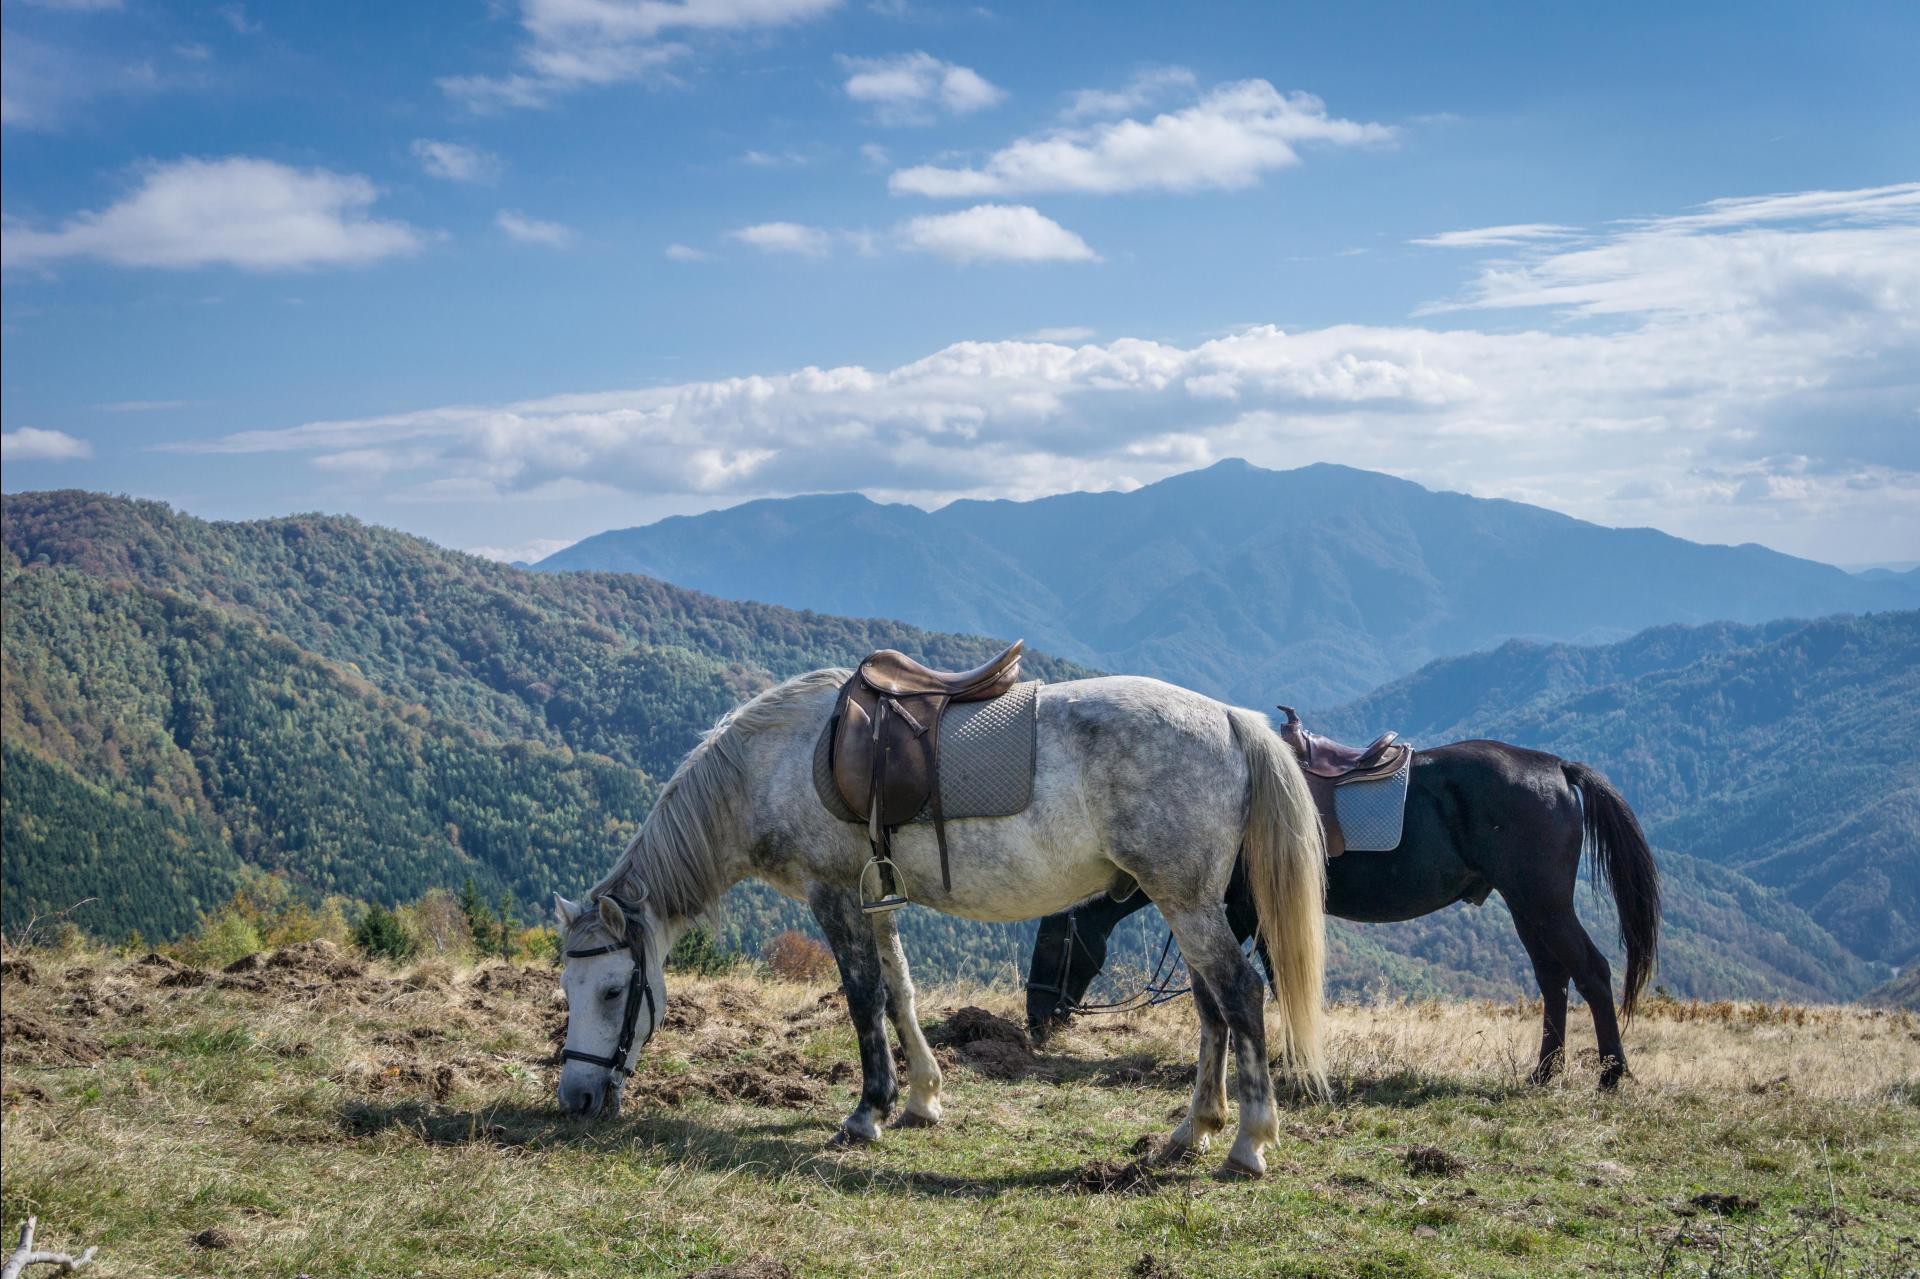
(638,989)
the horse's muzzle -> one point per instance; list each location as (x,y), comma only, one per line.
(590,1100)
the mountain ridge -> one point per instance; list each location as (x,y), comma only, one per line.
(1312,585)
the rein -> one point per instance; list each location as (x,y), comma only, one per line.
(638,989)
(1158,989)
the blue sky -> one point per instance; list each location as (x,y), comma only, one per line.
(508,274)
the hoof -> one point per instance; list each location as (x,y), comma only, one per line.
(854,1135)
(1172,1152)
(914,1119)
(1235,1169)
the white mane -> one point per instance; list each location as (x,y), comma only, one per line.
(674,856)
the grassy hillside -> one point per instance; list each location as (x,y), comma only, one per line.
(310,1115)
(1789,752)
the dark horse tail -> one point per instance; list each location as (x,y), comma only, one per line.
(1624,863)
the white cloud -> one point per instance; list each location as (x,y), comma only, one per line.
(907,87)
(1492,237)
(1013,233)
(239,211)
(775,159)
(1227,139)
(786,237)
(1734,391)
(1845,253)
(533,231)
(529,552)
(33,444)
(577,44)
(687,253)
(455,161)
(1145,88)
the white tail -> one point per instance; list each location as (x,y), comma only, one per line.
(1287,870)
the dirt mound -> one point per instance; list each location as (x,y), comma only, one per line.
(15,1095)
(762,1088)
(972,1025)
(246,964)
(1117,1177)
(1431,1161)
(510,979)
(18,969)
(184,979)
(751,1268)
(987,1042)
(408,1076)
(1724,1205)
(26,1038)
(317,959)
(1152,1267)
(998,1059)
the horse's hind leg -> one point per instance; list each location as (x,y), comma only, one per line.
(841,919)
(1552,975)
(1207,1112)
(923,1072)
(1222,970)
(1593,978)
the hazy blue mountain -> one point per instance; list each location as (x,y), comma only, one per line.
(1309,586)
(1789,751)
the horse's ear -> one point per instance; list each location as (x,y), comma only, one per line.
(613,919)
(565,912)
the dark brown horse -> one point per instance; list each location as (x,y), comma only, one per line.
(1481,817)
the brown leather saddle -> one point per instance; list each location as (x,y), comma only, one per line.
(1329,765)
(885,745)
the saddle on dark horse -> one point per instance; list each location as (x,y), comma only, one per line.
(1330,765)
(884,745)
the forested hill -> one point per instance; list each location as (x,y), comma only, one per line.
(371,715)
(361,710)
(1789,752)
(625,666)
(1308,586)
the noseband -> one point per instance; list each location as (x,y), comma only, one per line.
(638,989)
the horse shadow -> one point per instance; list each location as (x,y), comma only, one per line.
(769,1148)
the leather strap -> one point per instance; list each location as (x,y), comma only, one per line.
(638,989)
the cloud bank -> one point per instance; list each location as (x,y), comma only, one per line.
(1759,356)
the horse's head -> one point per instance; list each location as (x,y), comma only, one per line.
(616,996)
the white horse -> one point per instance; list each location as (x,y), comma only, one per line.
(1134,778)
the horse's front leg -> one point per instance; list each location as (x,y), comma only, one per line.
(844,924)
(923,1071)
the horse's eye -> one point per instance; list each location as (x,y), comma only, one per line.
(610,994)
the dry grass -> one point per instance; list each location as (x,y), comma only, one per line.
(324,1118)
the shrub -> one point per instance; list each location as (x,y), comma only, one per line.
(440,922)
(381,935)
(221,938)
(798,957)
(697,952)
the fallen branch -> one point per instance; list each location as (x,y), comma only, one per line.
(24,1255)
